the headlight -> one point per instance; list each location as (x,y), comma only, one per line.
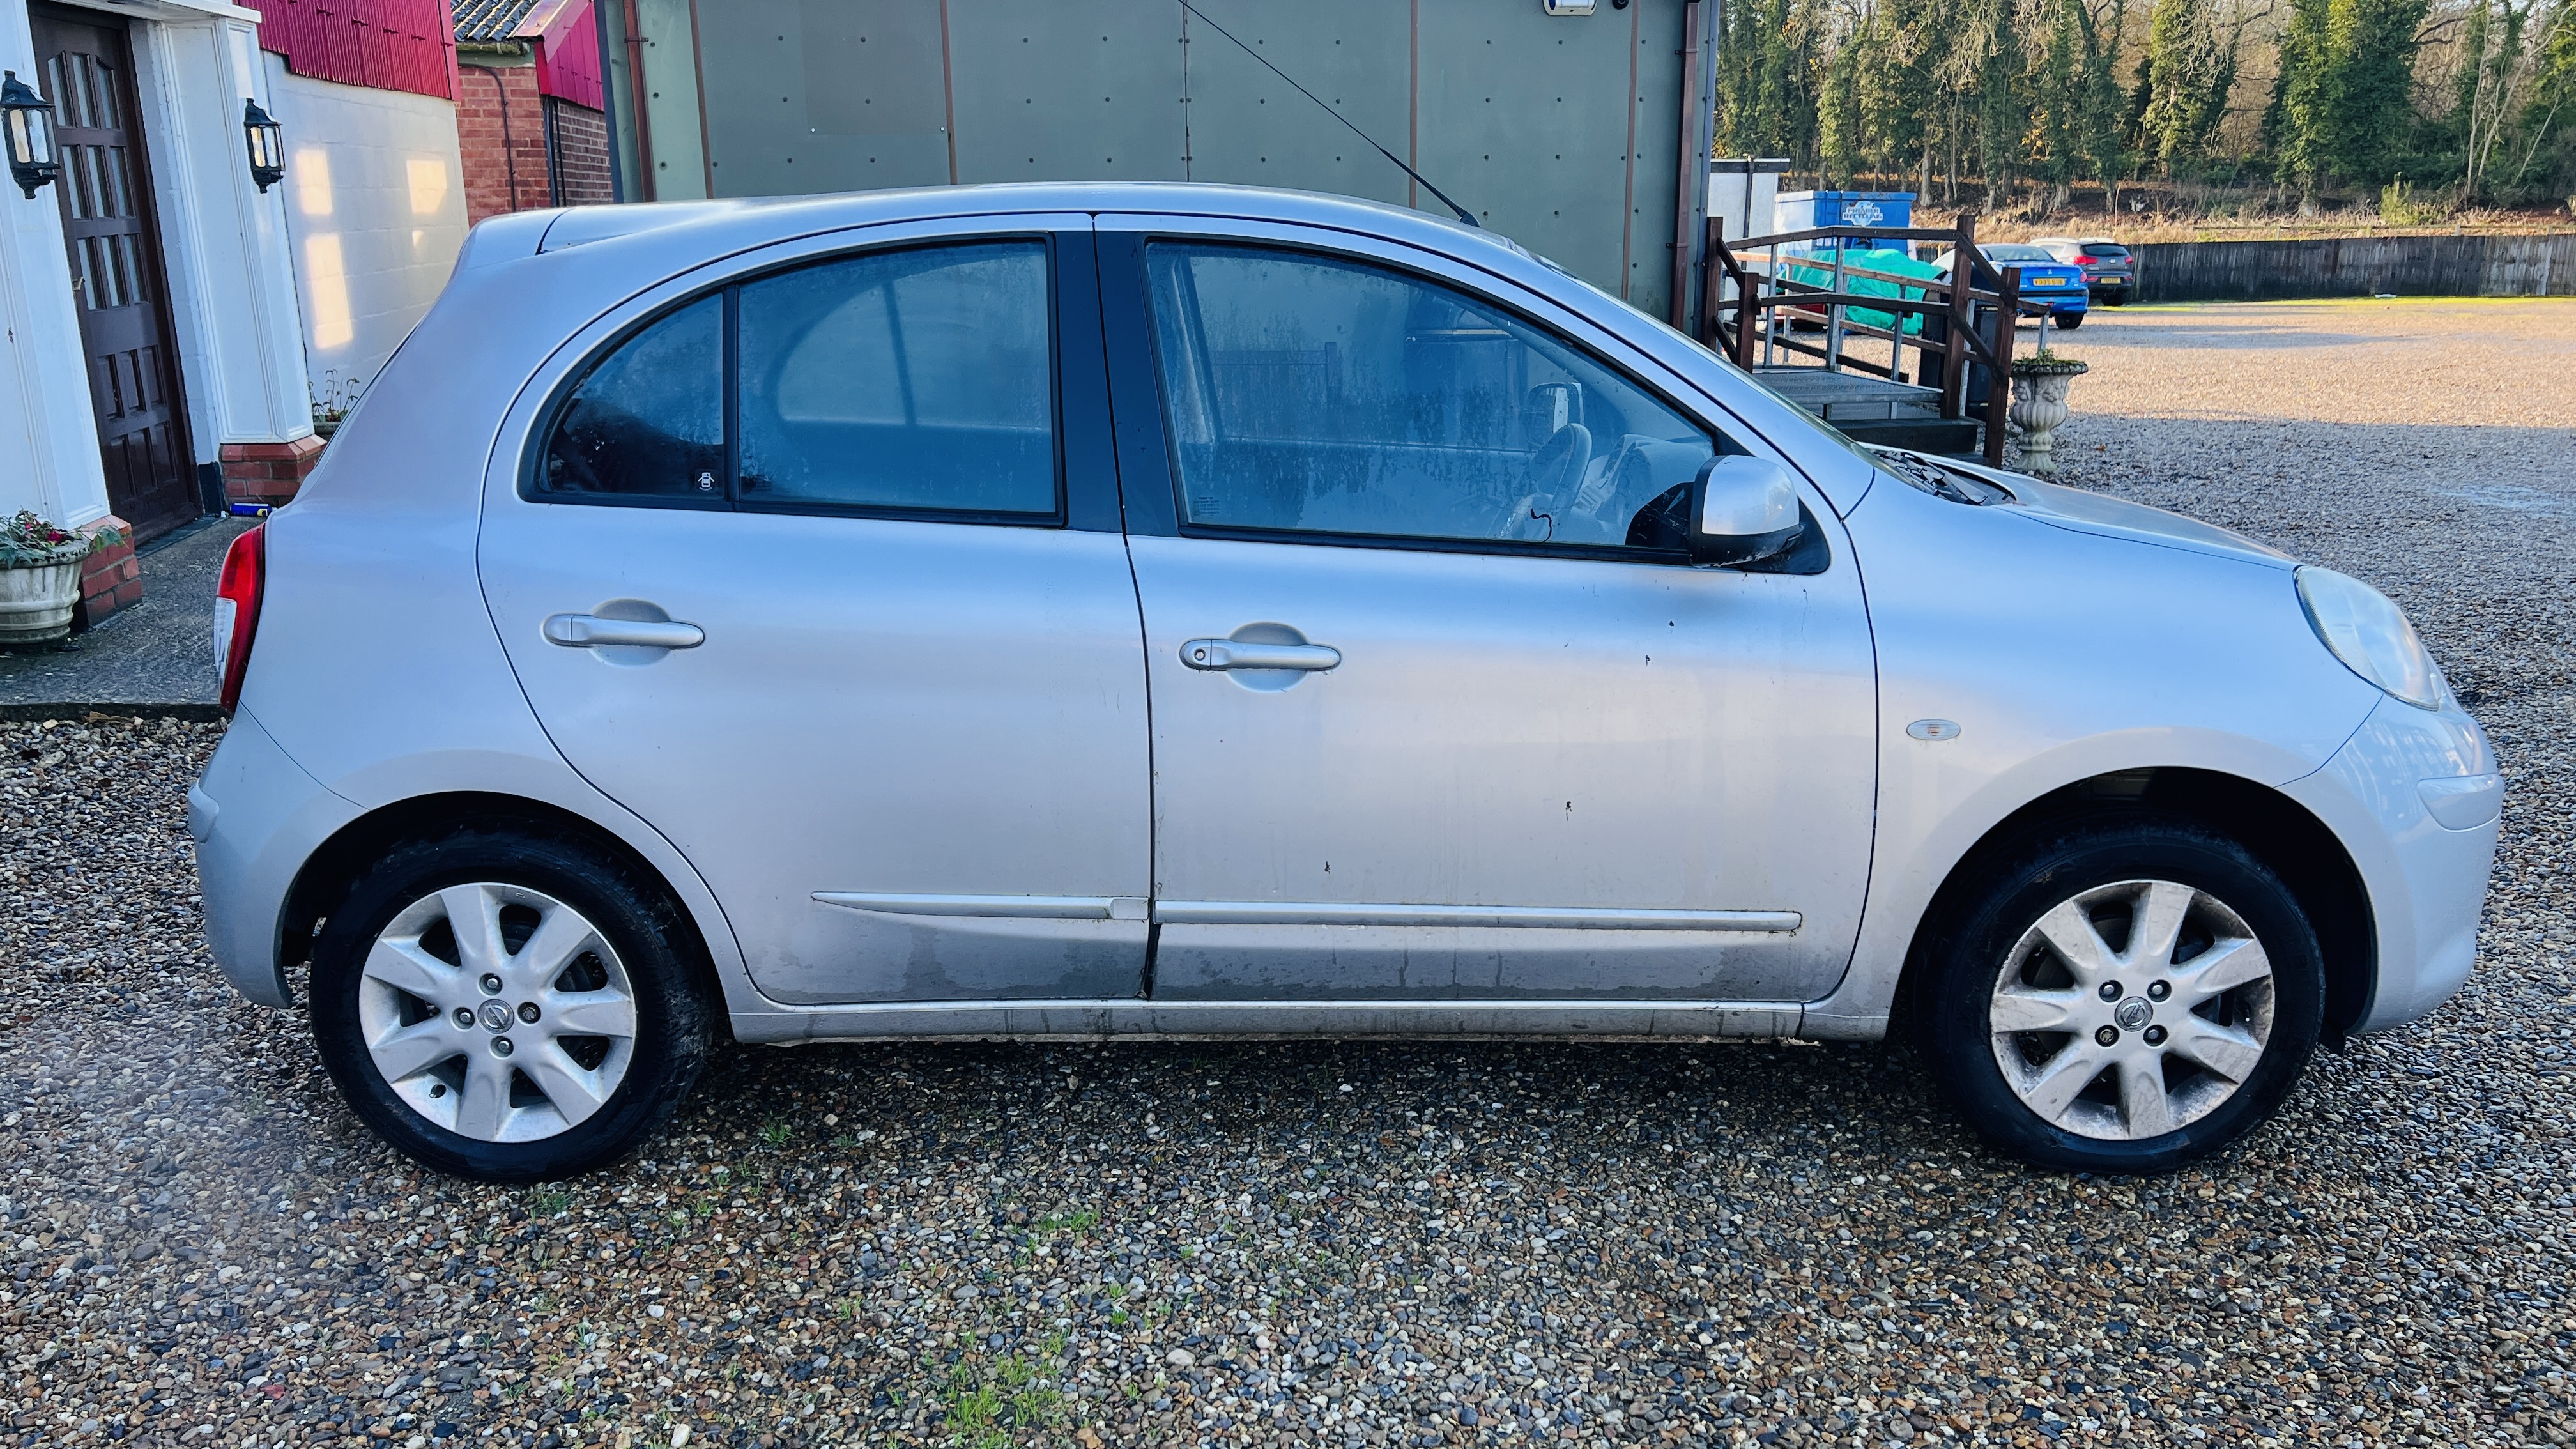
(2371,636)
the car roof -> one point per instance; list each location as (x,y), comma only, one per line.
(520,234)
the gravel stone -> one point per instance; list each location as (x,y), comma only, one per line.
(1349,1244)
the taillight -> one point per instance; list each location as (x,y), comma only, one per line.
(2089,260)
(237,595)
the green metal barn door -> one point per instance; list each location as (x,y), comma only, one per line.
(1560,132)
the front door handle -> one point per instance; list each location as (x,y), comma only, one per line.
(589,631)
(1252,654)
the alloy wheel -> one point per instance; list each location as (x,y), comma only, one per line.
(497,1012)
(2131,1010)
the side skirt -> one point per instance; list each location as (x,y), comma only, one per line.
(1129,1018)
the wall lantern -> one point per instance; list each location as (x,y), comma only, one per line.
(29,120)
(267,144)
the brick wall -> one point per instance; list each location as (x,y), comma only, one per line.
(479,131)
(110,578)
(581,154)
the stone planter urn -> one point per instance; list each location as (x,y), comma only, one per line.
(2039,386)
(40,571)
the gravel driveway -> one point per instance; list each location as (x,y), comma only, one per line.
(1385,1244)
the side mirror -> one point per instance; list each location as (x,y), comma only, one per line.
(1743,510)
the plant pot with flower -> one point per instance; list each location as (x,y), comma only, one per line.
(40,573)
(2039,385)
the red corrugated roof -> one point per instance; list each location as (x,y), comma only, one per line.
(389,45)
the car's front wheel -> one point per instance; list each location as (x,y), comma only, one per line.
(508,1006)
(2121,996)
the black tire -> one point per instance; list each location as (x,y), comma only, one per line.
(1978,929)
(2069,321)
(2116,299)
(633,914)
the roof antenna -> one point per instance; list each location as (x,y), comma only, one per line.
(1464,214)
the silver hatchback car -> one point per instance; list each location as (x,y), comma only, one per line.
(1094,612)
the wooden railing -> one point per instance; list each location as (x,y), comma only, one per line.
(1735,325)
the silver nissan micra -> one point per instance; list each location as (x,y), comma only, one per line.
(1107,611)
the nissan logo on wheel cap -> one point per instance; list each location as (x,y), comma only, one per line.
(2134,1013)
(497,1016)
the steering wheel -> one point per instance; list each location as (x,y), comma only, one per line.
(1548,480)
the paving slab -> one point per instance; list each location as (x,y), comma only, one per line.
(160,651)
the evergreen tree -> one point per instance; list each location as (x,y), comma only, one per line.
(2294,125)
(2105,116)
(1842,131)
(2190,70)
(2058,95)
(2370,85)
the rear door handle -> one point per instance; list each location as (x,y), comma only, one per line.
(1243,654)
(589,631)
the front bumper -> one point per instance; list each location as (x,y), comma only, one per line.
(2416,799)
(257,817)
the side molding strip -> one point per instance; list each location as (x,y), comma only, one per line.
(1292,913)
(1026,908)
(1300,913)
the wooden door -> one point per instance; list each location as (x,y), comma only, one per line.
(117,280)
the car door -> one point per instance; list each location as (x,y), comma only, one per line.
(1440,709)
(816,567)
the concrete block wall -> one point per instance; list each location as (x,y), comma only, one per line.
(375,211)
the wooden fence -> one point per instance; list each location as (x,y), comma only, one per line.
(2406,266)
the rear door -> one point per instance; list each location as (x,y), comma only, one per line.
(816,567)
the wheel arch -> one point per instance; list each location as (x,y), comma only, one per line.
(2282,833)
(336,864)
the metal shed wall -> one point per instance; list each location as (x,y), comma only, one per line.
(1564,133)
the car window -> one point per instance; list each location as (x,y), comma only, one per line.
(909,380)
(2017,254)
(1317,395)
(648,420)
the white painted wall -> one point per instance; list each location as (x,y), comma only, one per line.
(48,434)
(232,291)
(375,208)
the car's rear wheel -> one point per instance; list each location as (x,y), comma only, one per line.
(2069,321)
(2116,299)
(508,1007)
(2122,996)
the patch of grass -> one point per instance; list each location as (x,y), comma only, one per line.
(775,1132)
(547,1202)
(974,1411)
(1017,1398)
(1081,1220)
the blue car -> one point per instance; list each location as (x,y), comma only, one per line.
(2042,276)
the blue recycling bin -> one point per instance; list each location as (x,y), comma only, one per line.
(1807,210)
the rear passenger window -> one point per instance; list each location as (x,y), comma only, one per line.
(649,420)
(905,381)
(916,383)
